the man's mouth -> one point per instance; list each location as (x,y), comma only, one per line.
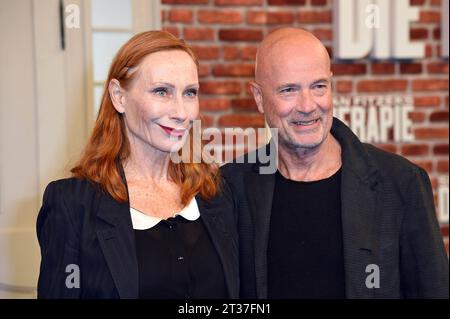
(306,123)
(178,132)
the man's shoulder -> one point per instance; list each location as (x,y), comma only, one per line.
(393,165)
(242,164)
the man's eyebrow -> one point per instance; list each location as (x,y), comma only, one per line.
(321,81)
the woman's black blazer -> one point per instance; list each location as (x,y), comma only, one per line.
(88,246)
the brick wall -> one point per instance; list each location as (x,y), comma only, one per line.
(225,35)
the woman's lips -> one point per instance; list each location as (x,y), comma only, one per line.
(173,131)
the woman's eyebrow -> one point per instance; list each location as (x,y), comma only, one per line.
(163,83)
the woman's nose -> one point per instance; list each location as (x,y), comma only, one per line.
(179,112)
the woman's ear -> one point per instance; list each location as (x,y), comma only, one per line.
(117,95)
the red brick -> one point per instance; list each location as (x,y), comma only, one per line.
(244,104)
(241,120)
(207,121)
(417,117)
(248,53)
(318,2)
(430,85)
(426,165)
(311,17)
(262,17)
(348,69)
(286,2)
(240,35)
(180,15)
(231,53)
(410,68)
(414,149)
(430,17)
(203,70)
(428,50)
(439,116)
(343,86)
(163,15)
(220,87)
(219,16)
(185,1)
(209,52)
(214,104)
(323,34)
(438,67)
(437,33)
(444,230)
(198,34)
(431,132)
(234,70)
(382,85)
(238,2)
(417,2)
(383,68)
(427,101)
(440,149)
(442,166)
(436,3)
(172,30)
(418,34)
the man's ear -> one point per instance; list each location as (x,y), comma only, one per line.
(257,96)
(117,95)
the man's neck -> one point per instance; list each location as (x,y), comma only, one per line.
(310,164)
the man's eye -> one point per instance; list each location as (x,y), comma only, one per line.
(160,91)
(287,90)
(320,88)
(191,93)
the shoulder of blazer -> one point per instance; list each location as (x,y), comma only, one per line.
(74,190)
(392,165)
(72,195)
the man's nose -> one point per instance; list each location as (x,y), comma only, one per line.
(305,102)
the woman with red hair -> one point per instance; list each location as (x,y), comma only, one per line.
(130,222)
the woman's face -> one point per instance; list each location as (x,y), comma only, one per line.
(162,101)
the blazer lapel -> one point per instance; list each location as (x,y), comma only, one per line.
(211,214)
(116,238)
(359,199)
(260,188)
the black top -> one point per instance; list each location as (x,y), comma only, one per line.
(305,249)
(177,259)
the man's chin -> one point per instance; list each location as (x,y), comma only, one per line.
(303,143)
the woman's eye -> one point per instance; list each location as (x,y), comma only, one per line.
(191,93)
(160,91)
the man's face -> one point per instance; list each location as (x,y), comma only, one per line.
(295,96)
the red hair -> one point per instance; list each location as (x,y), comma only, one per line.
(108,145)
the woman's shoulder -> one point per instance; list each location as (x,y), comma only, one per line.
(71,189)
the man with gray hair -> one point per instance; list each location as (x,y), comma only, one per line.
(338,218)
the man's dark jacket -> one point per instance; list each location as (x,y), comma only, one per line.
(388,221)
